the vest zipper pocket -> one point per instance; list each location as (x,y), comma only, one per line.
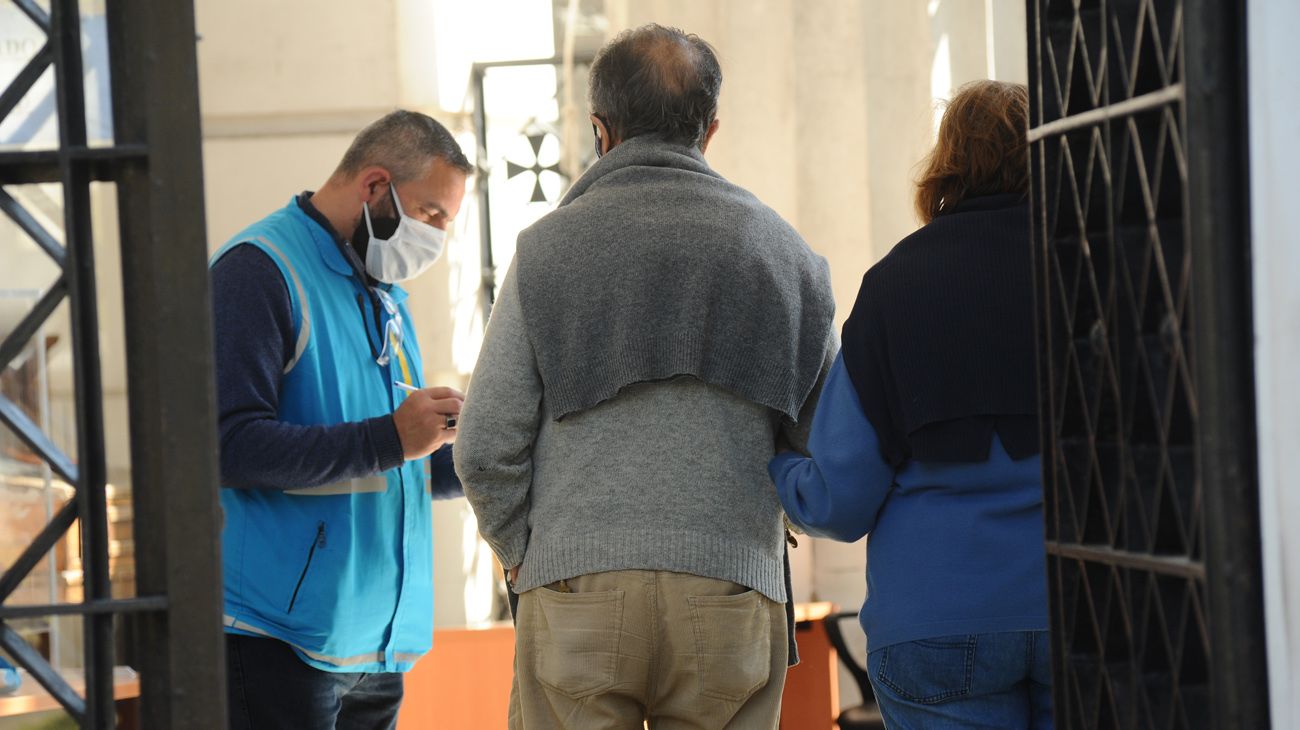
(318,541)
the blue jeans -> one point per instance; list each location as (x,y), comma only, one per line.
(999,681)
(270,688)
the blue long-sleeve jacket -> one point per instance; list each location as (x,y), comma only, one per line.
(952,548)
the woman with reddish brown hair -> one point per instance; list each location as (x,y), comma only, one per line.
(926,440)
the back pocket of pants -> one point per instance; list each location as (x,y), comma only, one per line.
(577,640)
(733,644)
(928,671)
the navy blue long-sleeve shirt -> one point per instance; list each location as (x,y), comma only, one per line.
(254,335)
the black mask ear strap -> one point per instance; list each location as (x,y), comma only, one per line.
(595,132)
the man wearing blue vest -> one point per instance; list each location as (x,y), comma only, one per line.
(327,433)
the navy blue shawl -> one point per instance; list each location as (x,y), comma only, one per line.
(940,345)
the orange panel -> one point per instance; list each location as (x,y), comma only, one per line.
(464,683)
(812,690)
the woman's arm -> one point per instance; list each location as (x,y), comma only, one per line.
(838,490)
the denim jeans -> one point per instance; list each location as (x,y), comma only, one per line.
(999,681)
(270,688)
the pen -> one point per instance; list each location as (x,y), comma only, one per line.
(451,420)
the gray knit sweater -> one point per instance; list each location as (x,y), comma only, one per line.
(669,475)
(655,336)
(655,266)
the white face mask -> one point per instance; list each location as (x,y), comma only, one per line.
(406,254)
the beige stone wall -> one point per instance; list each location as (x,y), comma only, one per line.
(279,57)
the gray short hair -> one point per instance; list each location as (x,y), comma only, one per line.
(656,80)
(405,143)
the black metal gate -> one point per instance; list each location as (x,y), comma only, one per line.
(154,163)
(1138,159)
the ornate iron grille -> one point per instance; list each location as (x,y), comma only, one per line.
(1144,321)
(155,165)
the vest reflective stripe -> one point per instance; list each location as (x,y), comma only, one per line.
(235,623)
(374,657)
(304,332)
(376,483)
(344,661)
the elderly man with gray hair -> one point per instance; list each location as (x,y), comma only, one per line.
(655,338)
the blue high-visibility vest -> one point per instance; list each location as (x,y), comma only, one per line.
(341,572)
